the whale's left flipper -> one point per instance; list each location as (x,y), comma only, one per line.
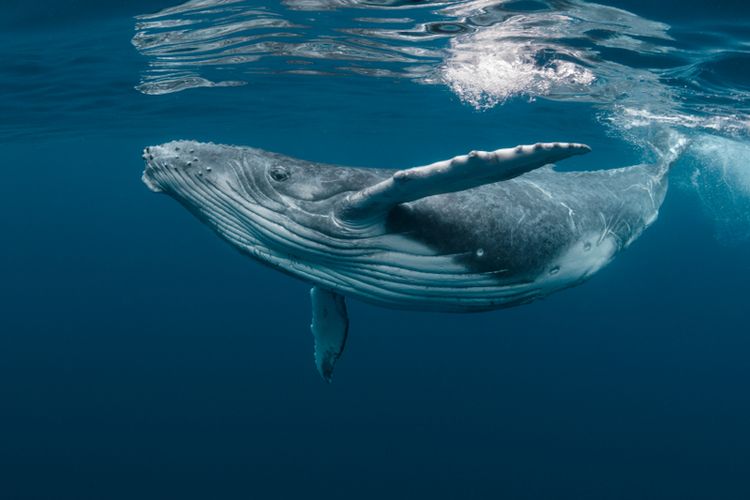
(330,325)
(459,173)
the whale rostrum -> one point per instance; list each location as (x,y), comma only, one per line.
(477,232)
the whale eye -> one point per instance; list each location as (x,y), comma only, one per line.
(279,173)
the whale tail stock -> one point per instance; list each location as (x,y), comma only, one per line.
(667,146)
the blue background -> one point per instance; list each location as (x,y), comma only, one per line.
(141,357)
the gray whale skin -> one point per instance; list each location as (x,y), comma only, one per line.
(476,232)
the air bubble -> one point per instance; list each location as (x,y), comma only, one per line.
(480,252)
(446,28)
(554,270)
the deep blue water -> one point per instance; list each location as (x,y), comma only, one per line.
(142,357)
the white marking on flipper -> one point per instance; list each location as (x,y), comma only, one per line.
(330,325)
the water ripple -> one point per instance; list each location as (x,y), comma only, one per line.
(239,39)
(486,51)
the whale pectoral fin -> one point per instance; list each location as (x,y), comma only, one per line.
(459,173)
(330,325)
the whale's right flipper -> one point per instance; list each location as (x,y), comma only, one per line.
(330,325)
(459,173)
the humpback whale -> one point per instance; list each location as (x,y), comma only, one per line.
(476,232)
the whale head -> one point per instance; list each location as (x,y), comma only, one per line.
(257,200)
(184,169)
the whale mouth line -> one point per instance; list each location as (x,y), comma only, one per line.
(149,168)
(149,182)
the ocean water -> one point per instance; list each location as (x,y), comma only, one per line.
(142,357)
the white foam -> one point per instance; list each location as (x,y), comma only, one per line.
(631,117)
(484,71)
(721,177)
(530,53)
